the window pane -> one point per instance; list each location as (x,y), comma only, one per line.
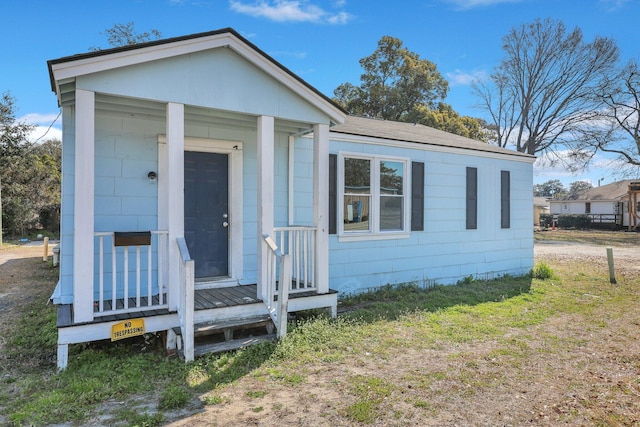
(356,213)
(391,213)
(357,176)
(391,174)
(357,190)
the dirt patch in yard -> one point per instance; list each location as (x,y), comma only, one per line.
(557,372)
(24,278)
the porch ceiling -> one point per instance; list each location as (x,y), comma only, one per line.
(153,110)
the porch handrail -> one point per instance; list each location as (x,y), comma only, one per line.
(145,256)
(299,242)
(277,284)
(186,300)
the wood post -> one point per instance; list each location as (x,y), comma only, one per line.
(612,274)
(266,195)
(321,205)
(83,206)
(45,255)
(171,180)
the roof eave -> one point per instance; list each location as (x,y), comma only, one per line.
(506,152)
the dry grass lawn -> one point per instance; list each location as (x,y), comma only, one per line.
(564,351)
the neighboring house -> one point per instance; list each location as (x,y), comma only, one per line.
(198,172)
(540,206)
(607,204)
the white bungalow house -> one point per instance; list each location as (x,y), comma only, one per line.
(607,204)
(199,173)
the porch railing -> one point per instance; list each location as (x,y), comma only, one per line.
(278,276)
(130,278)
(300,243)
(187,294)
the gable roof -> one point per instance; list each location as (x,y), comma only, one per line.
(613,191)
(541,201)
(68,67)
(417,133)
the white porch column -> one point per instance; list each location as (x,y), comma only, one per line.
(266,142)
(321,204)
(83,208)
(175,195)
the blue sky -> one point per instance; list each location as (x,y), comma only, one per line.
(320,40)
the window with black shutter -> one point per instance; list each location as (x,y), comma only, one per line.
(505,199)
(472,198)
(417,196)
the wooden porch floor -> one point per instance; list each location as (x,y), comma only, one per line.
(205,299)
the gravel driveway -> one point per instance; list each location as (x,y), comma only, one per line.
(625,257)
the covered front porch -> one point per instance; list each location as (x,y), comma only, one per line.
(134,272)
(179,174)
(219,309)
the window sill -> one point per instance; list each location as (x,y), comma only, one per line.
(348,237)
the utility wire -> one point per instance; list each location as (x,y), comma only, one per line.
(48,129)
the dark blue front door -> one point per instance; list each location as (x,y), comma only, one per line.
(206,208)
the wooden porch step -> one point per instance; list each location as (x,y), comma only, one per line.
(232,344)
(212,327)
(218,336)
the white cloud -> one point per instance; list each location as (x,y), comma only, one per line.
(46,126)
(339,18)
(470,4)
(602,167)
(613,5)
(281,53)
(460,78)
(39,119)
(289,11)
(44,133)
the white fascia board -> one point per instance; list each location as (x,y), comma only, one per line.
(292,83)
(340,137)
(72,69)
(98,63)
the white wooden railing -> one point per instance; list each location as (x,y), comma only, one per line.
(187,294)
(278,278)
(300,243)
(125,275)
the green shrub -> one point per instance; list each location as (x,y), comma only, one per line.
(546,220)
(174,397)
(580,221)
(542,271)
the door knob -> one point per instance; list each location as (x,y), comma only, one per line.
(225,216)
(225,224)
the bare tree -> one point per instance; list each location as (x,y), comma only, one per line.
(541,94)
(618,131)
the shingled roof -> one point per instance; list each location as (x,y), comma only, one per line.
(410,132)
(613,191)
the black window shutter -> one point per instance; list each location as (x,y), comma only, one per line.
(333,192)
(472,198)
(417,196)
(505,199)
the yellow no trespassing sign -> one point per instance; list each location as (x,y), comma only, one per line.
(128,328)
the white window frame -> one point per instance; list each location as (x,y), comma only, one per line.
(374,233)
